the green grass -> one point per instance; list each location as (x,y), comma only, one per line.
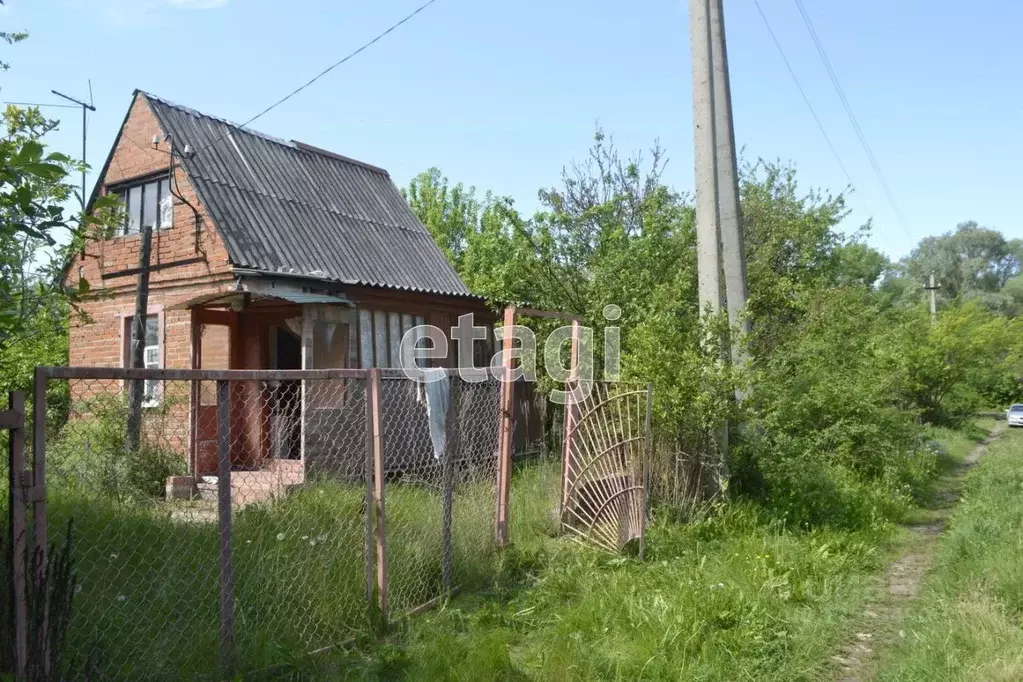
(956,445)
(968,621)
(732,597)
(147,603)
(738,595)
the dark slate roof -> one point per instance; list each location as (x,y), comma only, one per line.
(290,208)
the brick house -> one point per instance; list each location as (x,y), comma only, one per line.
(266,254)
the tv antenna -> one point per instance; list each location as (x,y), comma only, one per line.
(85,109)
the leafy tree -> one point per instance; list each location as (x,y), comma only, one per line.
(36,236)
(973,262)
(844,362)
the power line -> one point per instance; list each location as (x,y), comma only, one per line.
(852,118)
(806,100)
(327,70)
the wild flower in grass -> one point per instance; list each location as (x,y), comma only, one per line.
(718,586)
(280,536)
(312,543)
(305,537)
(121,597)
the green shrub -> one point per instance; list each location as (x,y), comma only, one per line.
(90,454)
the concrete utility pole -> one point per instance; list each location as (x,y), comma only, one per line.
(933,288)
(708,244)
(719,240)
(733,251)
(718,216)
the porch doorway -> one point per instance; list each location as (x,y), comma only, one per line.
(286,396)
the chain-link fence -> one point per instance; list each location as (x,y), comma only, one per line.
(231,520)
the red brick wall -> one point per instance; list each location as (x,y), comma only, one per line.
(97,338)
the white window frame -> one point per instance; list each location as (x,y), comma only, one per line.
(152,355)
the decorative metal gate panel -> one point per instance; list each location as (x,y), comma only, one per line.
(607,443)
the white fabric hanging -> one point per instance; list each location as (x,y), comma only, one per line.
(437,387)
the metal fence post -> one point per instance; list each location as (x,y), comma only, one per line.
(378,492)
(224,517)
(451,429)
(16,530)
(571,386)
(647,453)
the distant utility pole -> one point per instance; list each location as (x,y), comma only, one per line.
(85,108)
(933,288)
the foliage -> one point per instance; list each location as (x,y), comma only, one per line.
(844,363)
(49,600)
(37,237)
(973,262)
(90,452)
(968,359)
(826,440)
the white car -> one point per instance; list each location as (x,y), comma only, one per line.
(1015,415)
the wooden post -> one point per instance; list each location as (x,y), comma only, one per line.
(370,497)
(506,425)
(224,517)
(567,468)
(451,432)
(137,342)
(378,492)
(39,494)
(195,394)
(16,525)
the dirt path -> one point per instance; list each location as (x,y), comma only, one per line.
(879,626)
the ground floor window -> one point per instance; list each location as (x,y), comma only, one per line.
(150,354)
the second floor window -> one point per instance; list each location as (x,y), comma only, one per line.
(148,204)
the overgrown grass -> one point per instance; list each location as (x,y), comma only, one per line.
(149,574)
(968,623)
(735,596)
(741,594)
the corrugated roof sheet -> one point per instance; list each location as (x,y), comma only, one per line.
(290,208)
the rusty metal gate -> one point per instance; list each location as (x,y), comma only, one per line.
(607,443)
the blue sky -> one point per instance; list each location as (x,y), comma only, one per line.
(503,95)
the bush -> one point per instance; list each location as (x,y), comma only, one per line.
(90,452)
